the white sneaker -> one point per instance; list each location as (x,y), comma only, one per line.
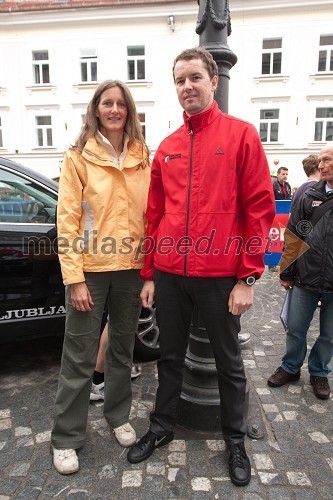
(136,371)
(97,392)
(125,435)
(65,461)
(243,338)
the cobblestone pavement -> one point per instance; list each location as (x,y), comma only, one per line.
(293,461)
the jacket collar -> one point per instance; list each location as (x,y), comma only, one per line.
(96,153)
(201,120)
(317,189)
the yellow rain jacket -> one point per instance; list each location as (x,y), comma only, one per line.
(101,211)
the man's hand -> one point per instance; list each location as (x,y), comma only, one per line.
(147,294)
(287,284)
(80,296)
(241,298)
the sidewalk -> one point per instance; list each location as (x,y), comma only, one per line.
(293,461)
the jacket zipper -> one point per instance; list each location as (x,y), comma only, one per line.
(189,189)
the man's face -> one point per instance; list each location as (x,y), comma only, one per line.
(195,88)
(326,165)
(282,176)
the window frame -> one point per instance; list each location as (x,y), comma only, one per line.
(41,65)
(45,129)
(326,48)
(88,57)
(1,133)
(270,122)
(136,60)
(323,121)
(272,52)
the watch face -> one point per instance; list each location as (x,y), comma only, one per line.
(250,280)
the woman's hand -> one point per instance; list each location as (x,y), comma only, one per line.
(80,297)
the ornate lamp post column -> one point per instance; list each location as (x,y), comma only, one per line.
(213,28)
(199,405)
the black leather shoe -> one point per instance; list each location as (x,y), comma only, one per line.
(145,447)
(239,465)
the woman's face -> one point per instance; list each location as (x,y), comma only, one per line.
(112,111)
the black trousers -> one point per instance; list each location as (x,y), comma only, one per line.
(175,298)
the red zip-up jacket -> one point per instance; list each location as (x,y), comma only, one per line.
(210,202)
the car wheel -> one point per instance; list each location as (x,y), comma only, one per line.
(147,337)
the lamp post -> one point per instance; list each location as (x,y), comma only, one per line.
(213,28)
(199,405)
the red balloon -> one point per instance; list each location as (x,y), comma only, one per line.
(276,162)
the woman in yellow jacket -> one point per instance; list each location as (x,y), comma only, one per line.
(101,226)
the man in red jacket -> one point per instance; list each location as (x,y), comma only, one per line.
(210,208)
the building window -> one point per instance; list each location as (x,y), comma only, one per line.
(44,131)
(269,125)
(88,65)
(40,65)
(271,56)
(142,118)
(136,62)
(325,60)
(324,125)
(1,139)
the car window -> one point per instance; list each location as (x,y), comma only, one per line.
(25,201)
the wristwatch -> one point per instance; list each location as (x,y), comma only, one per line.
(249,280)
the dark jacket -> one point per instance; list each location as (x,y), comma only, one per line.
(210,203)
(278,191)
(314,269)
(301,190)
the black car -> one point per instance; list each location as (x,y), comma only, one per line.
(31,287)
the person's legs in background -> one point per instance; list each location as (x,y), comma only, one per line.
(97,386)
(303,304)
(302,308)
(322,350)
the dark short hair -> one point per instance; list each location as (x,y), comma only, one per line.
(281,168)
(310,164)
(197,53)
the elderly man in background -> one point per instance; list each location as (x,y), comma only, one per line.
(310,277)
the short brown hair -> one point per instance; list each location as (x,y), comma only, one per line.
(310,164)
(197,53)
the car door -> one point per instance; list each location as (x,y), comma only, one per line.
(31,288)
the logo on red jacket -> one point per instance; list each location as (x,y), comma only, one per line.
(172,157)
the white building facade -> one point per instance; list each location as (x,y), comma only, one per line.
(54,53)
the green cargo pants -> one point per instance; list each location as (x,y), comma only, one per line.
(82,333)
